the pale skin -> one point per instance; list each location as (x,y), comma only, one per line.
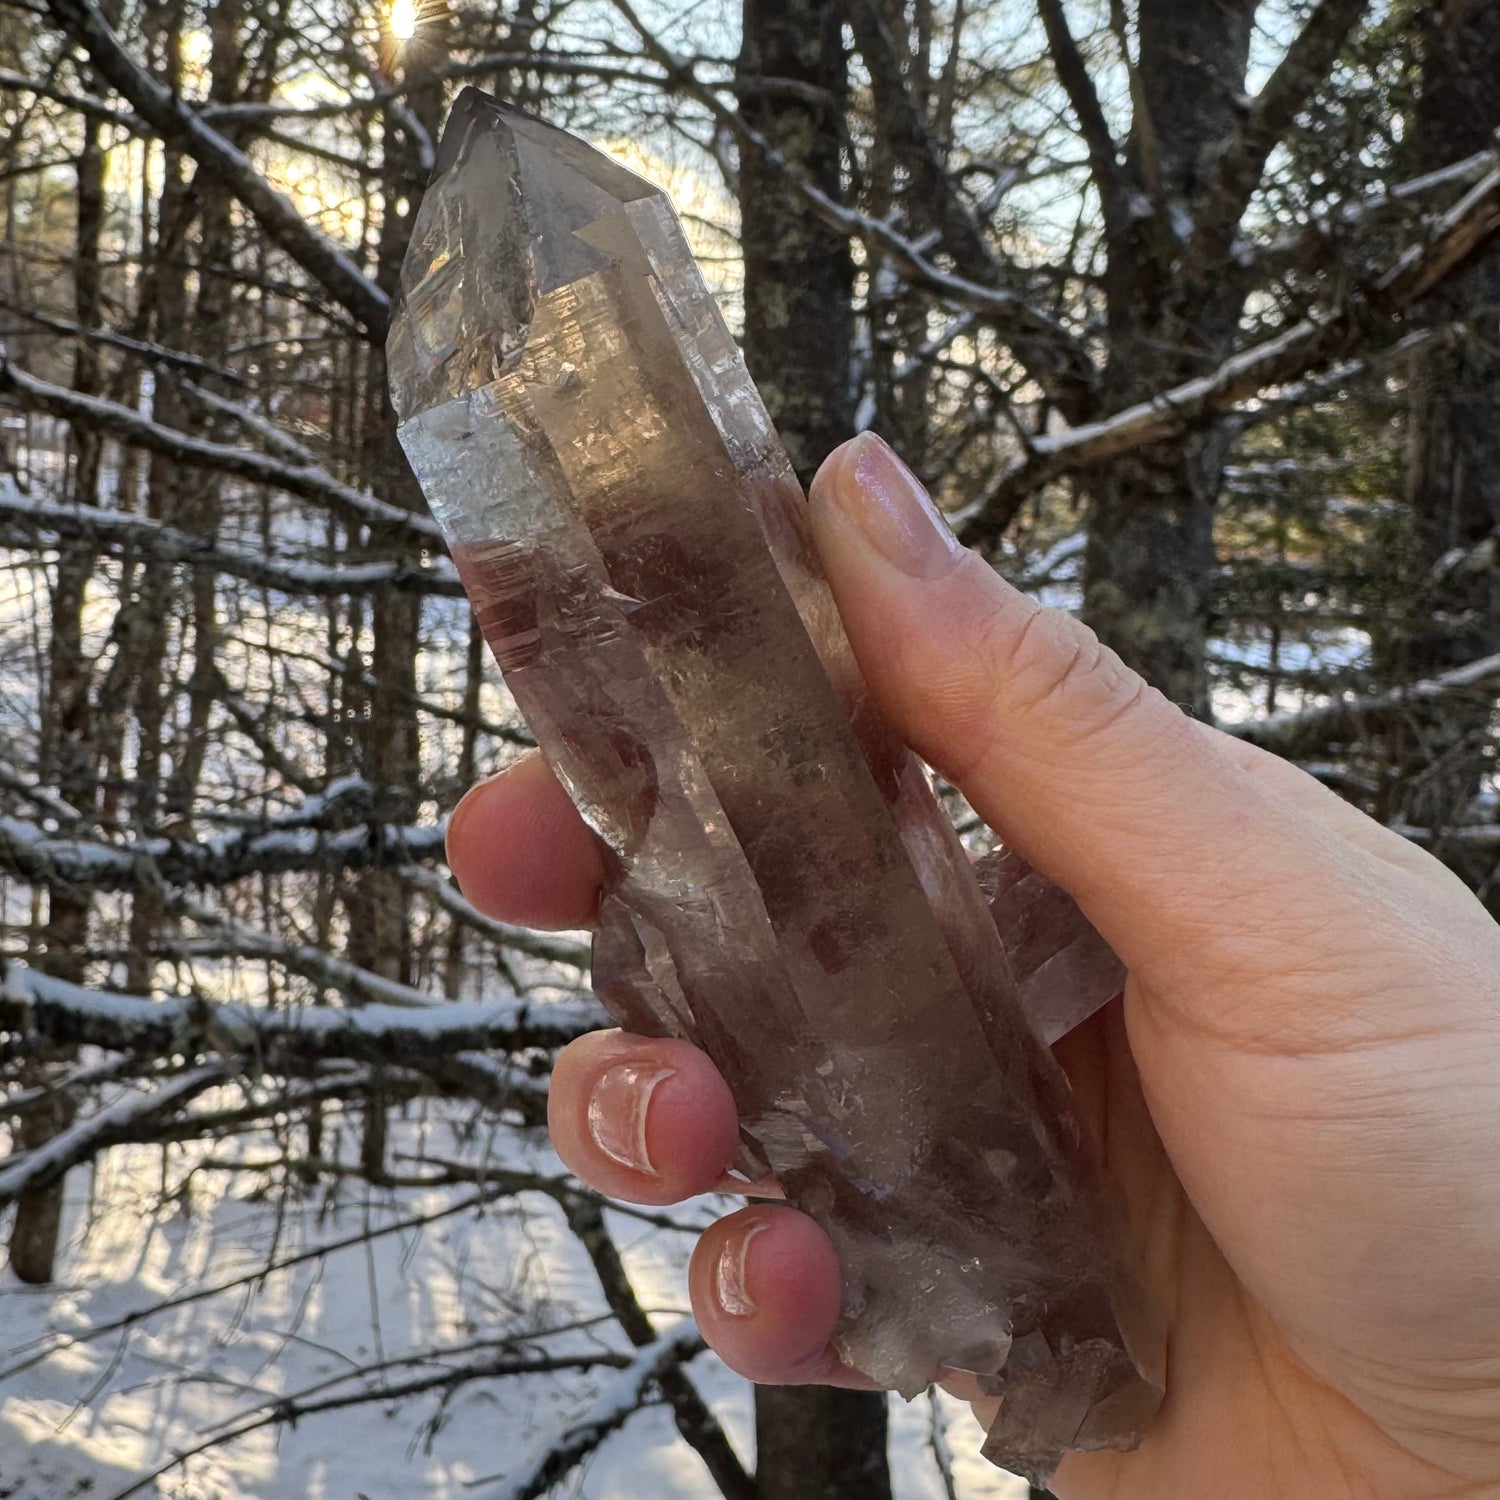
(1311,1025)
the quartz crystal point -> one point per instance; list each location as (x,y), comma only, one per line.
(785,891)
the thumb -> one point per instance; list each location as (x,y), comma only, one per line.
(1091,774)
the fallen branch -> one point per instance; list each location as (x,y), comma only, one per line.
(616,1403)
(696,1423)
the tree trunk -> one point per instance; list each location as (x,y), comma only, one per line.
(1149,563)
(799,278)
(816,1443)
(65,757)
(799,333)
(380,905)
(152,609)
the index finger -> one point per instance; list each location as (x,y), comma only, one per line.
(520,851)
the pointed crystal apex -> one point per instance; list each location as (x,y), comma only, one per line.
(504,220)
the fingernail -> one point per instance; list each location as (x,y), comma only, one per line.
(729,1275)
(886,501)
(617,1113)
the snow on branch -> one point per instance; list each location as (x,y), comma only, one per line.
(48,859)
(1366,318)
(1304,247)
(48,1011)
(615,1404)
(1451,238)
(1326,724)
(108,1125)
(156,354)
(306,481)
(553,947)
(26,522)
(218,159)
(694,1420)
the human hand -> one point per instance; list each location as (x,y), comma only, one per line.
(1312,1020)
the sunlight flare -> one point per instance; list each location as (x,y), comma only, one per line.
(403,19)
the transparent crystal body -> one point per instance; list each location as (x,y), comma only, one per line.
(785,889)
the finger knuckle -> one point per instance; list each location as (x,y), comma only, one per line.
(1046,666)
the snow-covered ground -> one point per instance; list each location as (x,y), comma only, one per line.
(92,1408)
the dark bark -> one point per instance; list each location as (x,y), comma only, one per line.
(799,279)
(380,936)
(202,490)
(799,333)
(1197,149)
(380,905)
(814,1443)
(1150,555)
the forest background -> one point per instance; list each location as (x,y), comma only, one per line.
(1189,312)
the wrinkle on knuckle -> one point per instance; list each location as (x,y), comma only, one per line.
(1054,671)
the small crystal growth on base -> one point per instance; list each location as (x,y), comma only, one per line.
(785,891)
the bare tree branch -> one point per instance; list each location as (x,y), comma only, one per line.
(55,1012)
(1311,730)
(1308,247)
(282,1411)
(1054,356)
(32,524)
(307,482)
(1368,318)
(180,126)
(156,354)
(616,1403)
(553,947)
(81,864)
(107,1126)
(1304,66)
(1450,240)
(694,1420)
(1073,74)
(86,104)
(500,1185)
(931,182)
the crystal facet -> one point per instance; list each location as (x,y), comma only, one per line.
(785,890)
